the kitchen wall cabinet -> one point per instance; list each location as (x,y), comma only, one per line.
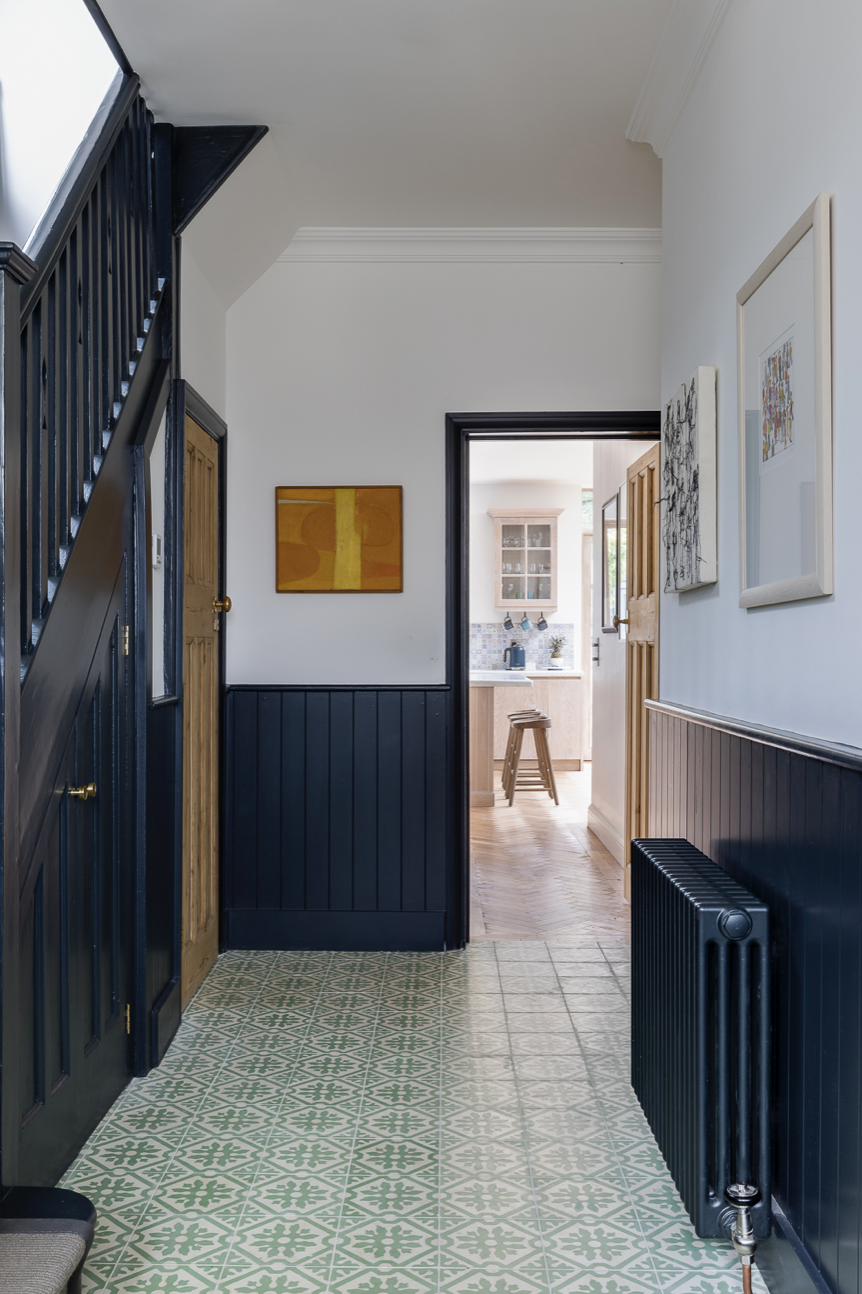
(525,558)
(561,699)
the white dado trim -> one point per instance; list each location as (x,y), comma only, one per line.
(606,832)
(687,38)
(479,245)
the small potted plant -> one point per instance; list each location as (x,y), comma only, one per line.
(557,644)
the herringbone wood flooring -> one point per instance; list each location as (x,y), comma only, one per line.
(538,872)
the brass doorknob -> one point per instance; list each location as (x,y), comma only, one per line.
(618,622)
(87,792)
(222,604)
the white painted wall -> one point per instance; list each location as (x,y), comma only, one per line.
(203,334)
(772,121)
(521,496)
(342,374)
(605,814)
(55,70)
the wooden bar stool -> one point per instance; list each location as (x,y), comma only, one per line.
(538,779)
(510,743)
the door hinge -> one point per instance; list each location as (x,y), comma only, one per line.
(128,1018)
(125,640)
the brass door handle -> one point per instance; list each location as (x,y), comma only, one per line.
(87,792)
(222,604)
(618,622)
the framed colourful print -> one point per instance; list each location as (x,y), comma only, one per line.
(785,418)
(338,539)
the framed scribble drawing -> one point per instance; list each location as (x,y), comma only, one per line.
(785,418)
(688,484)
(338,539)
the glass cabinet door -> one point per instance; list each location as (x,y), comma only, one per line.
(538,536)
(525,552)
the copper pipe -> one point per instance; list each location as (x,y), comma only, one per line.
(746,1278)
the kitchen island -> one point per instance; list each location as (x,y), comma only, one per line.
(482,685)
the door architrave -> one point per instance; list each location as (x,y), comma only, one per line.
(461,428)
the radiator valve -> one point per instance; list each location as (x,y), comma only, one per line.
(742,1198)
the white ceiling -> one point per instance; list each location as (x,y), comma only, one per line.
(408,112)
(493,462)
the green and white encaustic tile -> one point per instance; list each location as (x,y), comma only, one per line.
(371,1123)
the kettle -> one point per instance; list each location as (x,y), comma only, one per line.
(517,656)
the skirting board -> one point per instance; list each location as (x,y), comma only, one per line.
(784,1263)
(606,832)
(164,1021)
(334,931)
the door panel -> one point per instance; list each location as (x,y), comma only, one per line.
(641,641)
(75,928)
(200,710)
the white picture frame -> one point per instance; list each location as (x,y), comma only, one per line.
(784,410)
(689,524)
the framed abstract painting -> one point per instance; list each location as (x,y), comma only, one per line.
(338,539)
(785,418)
(689,534)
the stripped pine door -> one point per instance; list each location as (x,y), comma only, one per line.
(642,497)
(200,710)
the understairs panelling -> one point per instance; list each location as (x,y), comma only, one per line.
(336,818)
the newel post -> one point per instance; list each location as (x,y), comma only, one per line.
(15,269)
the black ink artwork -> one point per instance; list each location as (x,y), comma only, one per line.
(681,490)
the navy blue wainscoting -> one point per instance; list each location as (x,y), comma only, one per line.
(337,818)
(784,817)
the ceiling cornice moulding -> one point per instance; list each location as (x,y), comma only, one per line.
(689,32)
(476,245)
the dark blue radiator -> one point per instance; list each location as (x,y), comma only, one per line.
(701,1026)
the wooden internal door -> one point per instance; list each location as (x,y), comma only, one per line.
(200,709)
(642,498)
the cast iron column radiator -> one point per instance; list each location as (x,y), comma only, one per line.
(701,1026)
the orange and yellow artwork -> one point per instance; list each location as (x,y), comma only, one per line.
(340,539)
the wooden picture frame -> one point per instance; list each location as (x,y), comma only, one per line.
(785,418)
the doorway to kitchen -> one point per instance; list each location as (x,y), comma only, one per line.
(523,518)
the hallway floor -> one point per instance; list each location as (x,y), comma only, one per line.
(538,872)
(395,1124)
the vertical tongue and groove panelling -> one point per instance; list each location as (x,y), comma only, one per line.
(84,321)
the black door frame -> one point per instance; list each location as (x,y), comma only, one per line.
(165,752)
(461,428)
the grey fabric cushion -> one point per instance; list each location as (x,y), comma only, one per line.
(38,1262)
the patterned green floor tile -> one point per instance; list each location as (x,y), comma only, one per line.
(406,1242)
(253,1280)
(487,1197)
(378,1196)
(394,1122)
(478,1281)
(504,1241)
(288,1240)
(186,1238)
(419,1281)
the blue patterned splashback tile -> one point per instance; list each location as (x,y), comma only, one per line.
(488,642)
